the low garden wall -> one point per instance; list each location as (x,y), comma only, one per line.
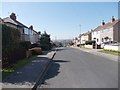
(88,46)
(110,47)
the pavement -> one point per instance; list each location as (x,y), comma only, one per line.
(74,68)
(96,52)
(29,75)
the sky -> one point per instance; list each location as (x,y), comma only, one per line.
(62,20)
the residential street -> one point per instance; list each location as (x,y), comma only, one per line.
(73,68)
(63,44)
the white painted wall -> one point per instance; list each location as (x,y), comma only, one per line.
(96,34)
(109,47)
(88,46)
(108,32)
(84,39)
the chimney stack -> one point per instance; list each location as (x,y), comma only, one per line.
(103,23)
(13,16)
(31,27)
(113,19)
(91,30)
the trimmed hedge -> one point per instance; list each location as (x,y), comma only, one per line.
(10,37)
(89,42)
(12,51)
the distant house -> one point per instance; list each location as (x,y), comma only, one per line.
(85,37)
(33,35)
(76,41)
(27,34)
(82,38)
(106,32)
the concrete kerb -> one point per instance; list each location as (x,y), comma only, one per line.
(41,75)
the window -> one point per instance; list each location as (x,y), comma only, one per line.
(97,32)
(30,32)
(26,31)
(97,39)
(94,38)
(102,39)
(110,39)
(102,31)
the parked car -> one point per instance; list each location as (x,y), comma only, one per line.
(109,43)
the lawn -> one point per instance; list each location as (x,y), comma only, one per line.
(84,47)
(21,63)
(117,53)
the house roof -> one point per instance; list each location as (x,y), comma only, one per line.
(107,25)
(15,22)
(20,24)
(9,20)
(84,34)
(35,31)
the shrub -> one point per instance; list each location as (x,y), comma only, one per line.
(45,41)
(45,47)
(25,44)
(90,42)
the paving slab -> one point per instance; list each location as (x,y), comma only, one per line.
(96,52)
(25,77)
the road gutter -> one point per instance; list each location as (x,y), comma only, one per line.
(39,79)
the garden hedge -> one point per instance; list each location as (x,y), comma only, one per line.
(90,42)
(12,51)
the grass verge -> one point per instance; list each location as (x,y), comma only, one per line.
(21,63)
(84,47)
(117,53)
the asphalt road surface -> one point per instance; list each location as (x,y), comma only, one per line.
(72,68)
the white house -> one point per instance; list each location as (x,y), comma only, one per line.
(85,37)
(96,35)
(76,41)
(106,32)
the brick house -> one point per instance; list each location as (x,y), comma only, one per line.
(33,35)
(106,32)
(27,34)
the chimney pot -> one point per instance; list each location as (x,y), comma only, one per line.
(31,27)
(13,16)
(103,23)
(113,19)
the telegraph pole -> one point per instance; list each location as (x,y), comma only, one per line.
(80,33)
(55,38)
